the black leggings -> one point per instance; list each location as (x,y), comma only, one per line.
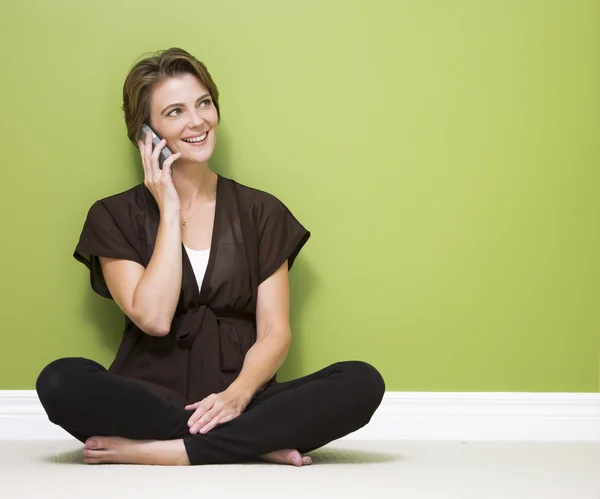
(86,400)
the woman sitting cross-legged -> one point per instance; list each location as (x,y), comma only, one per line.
(199,265)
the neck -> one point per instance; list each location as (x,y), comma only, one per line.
(193,182)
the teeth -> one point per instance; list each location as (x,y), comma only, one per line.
(196,139)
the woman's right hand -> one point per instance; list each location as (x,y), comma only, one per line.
(159,182)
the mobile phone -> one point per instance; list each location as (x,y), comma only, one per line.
(164,153)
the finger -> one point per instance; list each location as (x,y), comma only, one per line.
(148,156)
(148,149)
(215,422)
(148,146)
(168,162)
(192,407)
(198,413)
(203,407)
(226,419)
(205,420)
(218,420)
(142,148)
(155,154)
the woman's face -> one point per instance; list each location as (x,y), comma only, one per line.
(181,109)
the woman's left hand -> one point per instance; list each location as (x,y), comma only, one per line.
(215,409)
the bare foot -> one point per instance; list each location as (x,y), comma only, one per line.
(287,456)
(122,450)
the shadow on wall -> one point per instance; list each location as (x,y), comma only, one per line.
(106,319)
(302,283)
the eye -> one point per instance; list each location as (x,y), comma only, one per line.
(206,102)
(171,113)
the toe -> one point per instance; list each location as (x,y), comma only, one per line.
(91,453)
(306,460)
(98,456)
(295,458)
(93,443)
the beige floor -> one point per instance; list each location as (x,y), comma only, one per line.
(345,469)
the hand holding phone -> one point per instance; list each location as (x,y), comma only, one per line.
(164,153)
(155,154)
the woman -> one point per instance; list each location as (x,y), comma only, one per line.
(199,265)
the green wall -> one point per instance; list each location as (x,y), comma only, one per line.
(444,155)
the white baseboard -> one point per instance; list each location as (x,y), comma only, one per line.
(485,417)
(402,416)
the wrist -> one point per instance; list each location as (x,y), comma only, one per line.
(171,217)
(241,392)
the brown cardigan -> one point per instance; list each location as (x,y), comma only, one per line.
(213,328)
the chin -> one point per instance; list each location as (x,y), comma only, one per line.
(201,157)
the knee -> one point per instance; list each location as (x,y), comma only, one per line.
(54,382)
(367,383)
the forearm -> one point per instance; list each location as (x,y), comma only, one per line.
(262,361)
(157,293)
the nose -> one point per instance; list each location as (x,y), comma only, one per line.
(196,119)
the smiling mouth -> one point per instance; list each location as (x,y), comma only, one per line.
(197,140)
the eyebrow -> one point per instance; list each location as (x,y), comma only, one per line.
(181,104)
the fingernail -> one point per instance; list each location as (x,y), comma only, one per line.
(92,443)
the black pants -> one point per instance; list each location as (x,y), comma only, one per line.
(86,400)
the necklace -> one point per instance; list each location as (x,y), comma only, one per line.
(184,220)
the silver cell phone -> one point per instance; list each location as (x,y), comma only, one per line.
(164,153)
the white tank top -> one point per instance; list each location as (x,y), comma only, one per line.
(199,261)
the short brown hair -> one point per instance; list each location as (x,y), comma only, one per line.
(151,70)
